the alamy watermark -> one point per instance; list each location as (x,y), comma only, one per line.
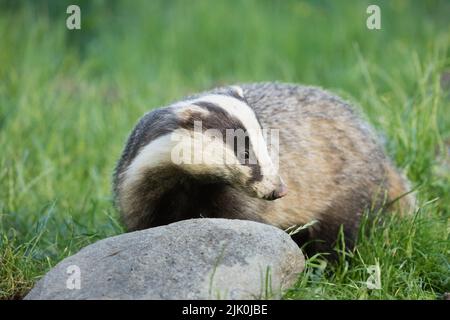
(73,21)
(374,280)
(74,279)
(373,22)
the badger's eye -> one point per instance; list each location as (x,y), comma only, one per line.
(246,155)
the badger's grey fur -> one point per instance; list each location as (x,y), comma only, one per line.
(329,159)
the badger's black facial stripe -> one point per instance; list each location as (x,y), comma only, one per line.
(217,119)
(256,173)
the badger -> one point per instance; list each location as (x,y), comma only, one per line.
(324,168)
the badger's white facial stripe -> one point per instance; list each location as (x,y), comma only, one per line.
(154,154)
(199,147)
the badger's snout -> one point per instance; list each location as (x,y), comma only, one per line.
(279,192)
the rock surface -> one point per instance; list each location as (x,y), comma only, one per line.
(191,259)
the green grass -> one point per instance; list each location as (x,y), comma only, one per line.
(69,98)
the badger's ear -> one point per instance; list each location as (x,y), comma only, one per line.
(237,90)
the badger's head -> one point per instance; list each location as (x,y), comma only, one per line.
(220,138)
(215,138)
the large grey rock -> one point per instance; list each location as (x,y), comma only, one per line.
(191,259)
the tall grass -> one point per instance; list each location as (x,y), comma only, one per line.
(69,98)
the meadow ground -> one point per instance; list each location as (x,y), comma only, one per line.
(69,98)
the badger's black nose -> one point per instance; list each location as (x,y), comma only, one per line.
(279,192)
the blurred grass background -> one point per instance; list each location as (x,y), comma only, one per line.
(68,99)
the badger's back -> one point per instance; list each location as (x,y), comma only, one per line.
(330,159)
